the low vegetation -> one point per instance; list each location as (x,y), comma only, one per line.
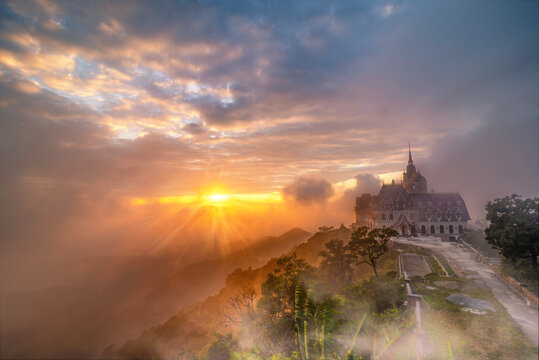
(514,230)
(493,335)
(435,266)
(322,301)
(446,266)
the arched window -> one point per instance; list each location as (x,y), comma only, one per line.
(423,230)
(451,229)
(441,229)
(460,229)
(432,231)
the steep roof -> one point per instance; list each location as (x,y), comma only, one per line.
(389,193)
(448,205)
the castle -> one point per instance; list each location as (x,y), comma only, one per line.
(410,209)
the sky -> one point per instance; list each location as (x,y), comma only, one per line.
(123,121)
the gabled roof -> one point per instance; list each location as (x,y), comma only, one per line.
(442,202)
(390,193)
(402,219)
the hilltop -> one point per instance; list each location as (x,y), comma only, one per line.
(192,328)
(116,298)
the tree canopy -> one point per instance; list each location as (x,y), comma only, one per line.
(367,246)
(514,227)
(335,264)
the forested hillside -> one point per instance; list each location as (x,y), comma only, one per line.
(192,331)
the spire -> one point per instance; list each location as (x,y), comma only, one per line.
(410,161)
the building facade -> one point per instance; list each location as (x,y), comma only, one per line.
(409,209)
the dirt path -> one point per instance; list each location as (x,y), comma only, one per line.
(459,258)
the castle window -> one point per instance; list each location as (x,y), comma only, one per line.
(432,230)
(451,229)
(423,230)
(391,217)
(441,229)
(460,229)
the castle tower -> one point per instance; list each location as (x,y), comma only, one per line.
(412,180)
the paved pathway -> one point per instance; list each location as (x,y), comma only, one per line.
(527,318)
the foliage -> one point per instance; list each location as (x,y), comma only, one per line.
(222,348)
(336,264)
(476,238)
(523,272)
(514,227)
(276,308)
(382,293)
(463,335)
(316,321)
(366,246)
(279,289)
(298,317)
(325,229)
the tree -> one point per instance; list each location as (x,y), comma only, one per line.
(276,308)
(382,293)
(514,227)
(325,229)
(336,263)
(316,322)
(223,347)
(366,246)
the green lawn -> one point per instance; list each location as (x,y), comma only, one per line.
(435,266)
(446,266)
(463,335)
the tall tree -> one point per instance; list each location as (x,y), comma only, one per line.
(277,304)
(335,264)
(514,227)
(366,246)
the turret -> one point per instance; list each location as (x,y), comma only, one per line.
(412,181)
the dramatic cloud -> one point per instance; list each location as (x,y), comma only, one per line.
(126,126)
(108,104)
(307,190)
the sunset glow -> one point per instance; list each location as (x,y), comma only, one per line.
(153,152)
(217,199)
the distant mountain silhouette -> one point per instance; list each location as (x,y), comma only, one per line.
(116,298)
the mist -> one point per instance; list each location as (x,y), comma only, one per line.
(120,121)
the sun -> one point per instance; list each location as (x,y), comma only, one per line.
(217,199)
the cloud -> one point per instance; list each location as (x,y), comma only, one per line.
(495,160)
(104,102)
(307,190)
(366,183)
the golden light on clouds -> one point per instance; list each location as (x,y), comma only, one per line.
(212,196)
(28,87)
(216,199)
